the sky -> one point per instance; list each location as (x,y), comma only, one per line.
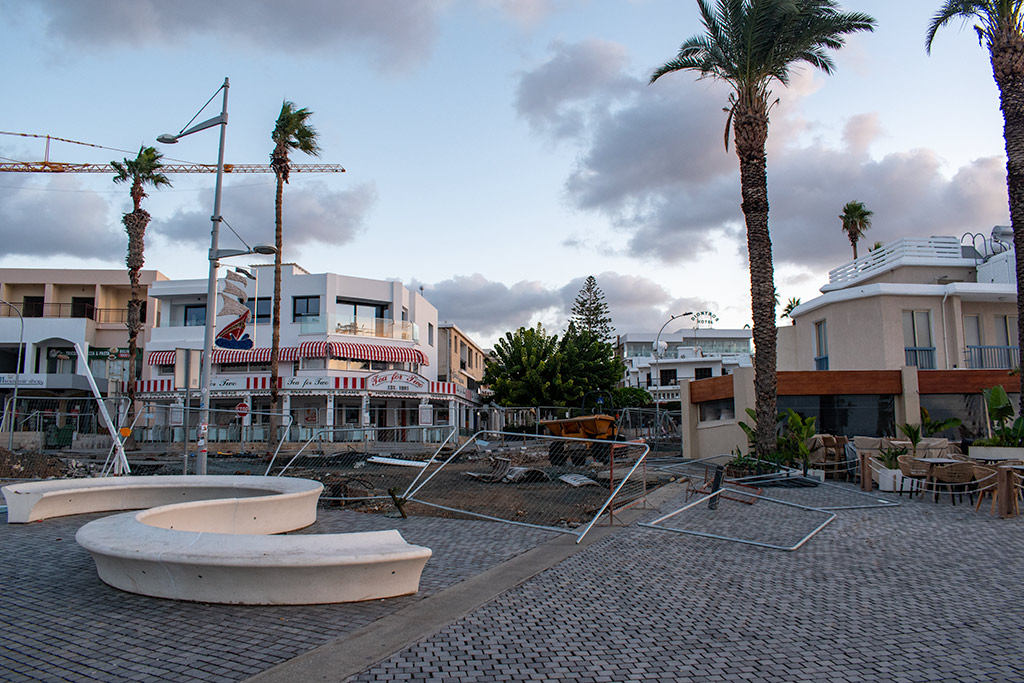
(497,151)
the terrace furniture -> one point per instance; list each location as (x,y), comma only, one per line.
(954,477)
(913,470)
(985,480)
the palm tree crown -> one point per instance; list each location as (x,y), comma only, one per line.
(292,132)
(143,170)
(993,17)
(749,44)
(856,220)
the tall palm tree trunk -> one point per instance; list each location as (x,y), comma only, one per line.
(1007,56)
(135,224)
(750,131)
(275,339)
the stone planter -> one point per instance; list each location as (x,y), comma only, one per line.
(889,480)
(996,453)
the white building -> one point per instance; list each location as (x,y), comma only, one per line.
(354,352)
(685,355)
(933,303)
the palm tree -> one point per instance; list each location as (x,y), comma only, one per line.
(291,132)
(1000,28)
(787,312)
(856,220)
(143,170)
(749,44)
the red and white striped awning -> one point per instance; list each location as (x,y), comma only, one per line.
(162,357)
(314,349)
(261,355)
(377,352)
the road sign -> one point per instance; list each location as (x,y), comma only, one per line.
(241,410)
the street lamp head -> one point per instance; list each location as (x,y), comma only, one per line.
(264,249)
(167,139)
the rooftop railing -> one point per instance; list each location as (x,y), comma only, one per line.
(888,255)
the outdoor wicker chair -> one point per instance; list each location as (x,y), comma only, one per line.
(955,478)
(985,483)
(913,470)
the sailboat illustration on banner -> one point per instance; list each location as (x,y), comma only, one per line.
(232,305)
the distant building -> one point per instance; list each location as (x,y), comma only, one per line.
(459,358)
(686,355)
(933,303)
(62,307)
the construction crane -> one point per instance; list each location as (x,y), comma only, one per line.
(47,166)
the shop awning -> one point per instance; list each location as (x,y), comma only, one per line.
(162,357)
(378,352)
(260,355)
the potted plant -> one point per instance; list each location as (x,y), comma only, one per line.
(1007,431)
(890,476)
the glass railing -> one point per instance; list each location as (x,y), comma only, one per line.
(384,328)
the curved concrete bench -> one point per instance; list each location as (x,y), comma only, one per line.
(215,547)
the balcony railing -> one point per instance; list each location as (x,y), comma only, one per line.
(929,248)
(100,315)
(385,328)
(993,357)
(821,362)
(921,356)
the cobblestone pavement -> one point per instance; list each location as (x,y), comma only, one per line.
(918,593)
(59,622)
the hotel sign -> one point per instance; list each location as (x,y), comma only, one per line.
(393,380)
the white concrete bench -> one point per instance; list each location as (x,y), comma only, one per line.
(214,547)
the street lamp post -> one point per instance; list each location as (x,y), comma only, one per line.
(657,374)
(211,288)
(17,375)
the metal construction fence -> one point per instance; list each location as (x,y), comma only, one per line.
(53,423)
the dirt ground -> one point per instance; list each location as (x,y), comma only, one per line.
(352,481)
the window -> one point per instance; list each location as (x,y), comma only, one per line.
(713,411)
(32,307)
(917,338)
(430,334)
(667,377)
(304,307)
(262,308)
(702,373)
(972,330)
(195,315)
(820,345)
(360,317)
(1006,330)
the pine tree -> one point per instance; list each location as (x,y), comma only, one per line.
(590,311)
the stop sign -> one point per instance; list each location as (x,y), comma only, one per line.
(241,410)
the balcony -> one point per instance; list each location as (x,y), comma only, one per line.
(921,356)
(937,251)
(993,357)
(384,328)
(88,311)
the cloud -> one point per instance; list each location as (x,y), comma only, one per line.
(58,219)
(578,81)
(394,33)
(526,12)
(654,164)
(486,309)
(312,213)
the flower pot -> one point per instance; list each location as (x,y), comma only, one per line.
(889,480)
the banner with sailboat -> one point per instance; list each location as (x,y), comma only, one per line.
(231,333)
